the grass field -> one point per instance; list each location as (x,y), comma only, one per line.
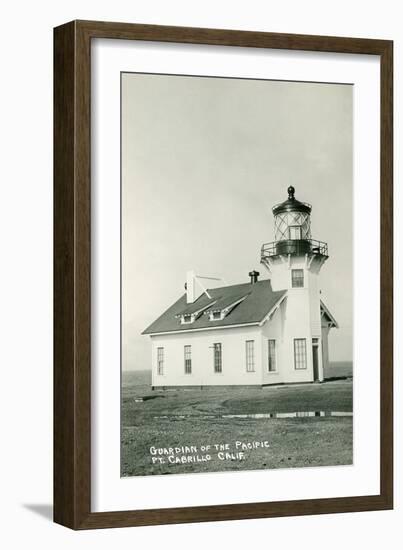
(197,418)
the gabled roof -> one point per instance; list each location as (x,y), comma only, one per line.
(259,301)
(325,312)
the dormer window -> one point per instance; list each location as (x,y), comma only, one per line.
(192,313)
(216,316)
(188,318)
(223,307)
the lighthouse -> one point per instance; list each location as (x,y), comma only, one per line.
(294,261)
(256,332)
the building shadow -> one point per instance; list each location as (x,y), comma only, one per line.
(43,510)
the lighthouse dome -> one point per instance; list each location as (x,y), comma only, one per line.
(291,204)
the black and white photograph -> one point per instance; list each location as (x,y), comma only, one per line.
(200,243)
(236,274)
(200,249)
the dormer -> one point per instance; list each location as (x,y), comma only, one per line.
(223,307)
(217,315)
(187,318)
(191,313)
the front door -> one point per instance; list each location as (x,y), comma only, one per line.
(315,358)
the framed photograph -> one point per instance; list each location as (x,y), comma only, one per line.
(222,274)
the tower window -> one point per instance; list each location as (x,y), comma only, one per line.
(250,355)
(217,358)
(271,364)
(295,232)
(160,361)
(297,278)
(188,359)
(300,353)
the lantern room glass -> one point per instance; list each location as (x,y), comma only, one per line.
(292,226)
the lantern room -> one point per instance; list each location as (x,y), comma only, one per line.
(292,229)
(292,219)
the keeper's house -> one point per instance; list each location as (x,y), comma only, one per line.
(257,333)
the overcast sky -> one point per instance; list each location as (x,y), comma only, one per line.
(203,162)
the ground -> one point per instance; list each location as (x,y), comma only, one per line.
(198,418)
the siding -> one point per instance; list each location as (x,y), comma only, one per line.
(233,358)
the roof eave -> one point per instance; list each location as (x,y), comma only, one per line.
(273,309)
(200,329)
(332,319)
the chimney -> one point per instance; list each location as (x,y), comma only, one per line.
(254,277)
(190,287)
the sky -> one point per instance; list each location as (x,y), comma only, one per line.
(203,162)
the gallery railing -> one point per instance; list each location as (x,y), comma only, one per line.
(289,246)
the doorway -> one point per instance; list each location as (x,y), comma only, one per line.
(295,232)
(315,358)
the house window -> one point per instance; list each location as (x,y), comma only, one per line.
(160,361)
(297,278)
(188,359)
(250,356)
(271,362)
(217,358)
(300,353)
(295,232)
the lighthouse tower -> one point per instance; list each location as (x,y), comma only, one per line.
(294,261)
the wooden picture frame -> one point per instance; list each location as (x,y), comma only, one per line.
(72,271)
